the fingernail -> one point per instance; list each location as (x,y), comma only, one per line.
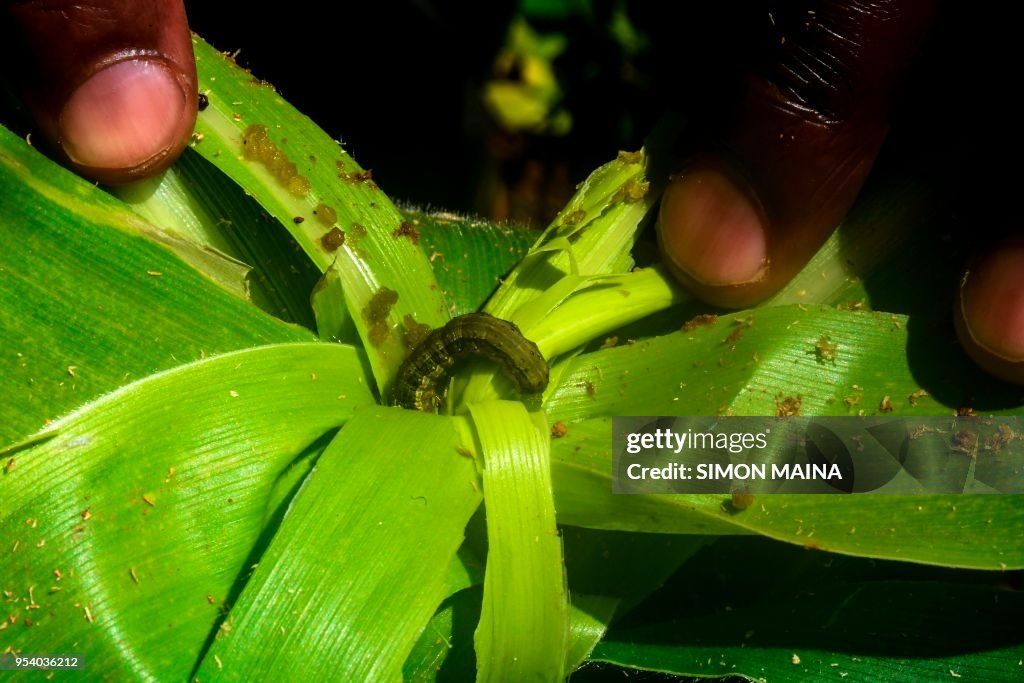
(123,115)
(712,230)
(992,302)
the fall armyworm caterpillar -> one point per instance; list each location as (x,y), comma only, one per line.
(420,381)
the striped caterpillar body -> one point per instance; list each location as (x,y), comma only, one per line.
(422,379)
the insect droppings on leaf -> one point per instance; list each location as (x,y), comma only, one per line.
(378,333)
(741,500)
(357,231)
(332,239)
(376,313)
(916,396)
(788,406)
(406,229)
(825,351)
(699,321)
(1002,437)
(574,217)
(298,186)
(257,146)
(325,214)
(365,176)
(379,306)
(414,332)
(734,336)
(965,441)
(631,191)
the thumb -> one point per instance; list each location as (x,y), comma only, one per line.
(111,83)
(737,224)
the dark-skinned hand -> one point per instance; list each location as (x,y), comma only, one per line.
(110,83)
(740,222)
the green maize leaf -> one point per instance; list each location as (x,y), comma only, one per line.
(360,561)
(466,570)
(196,200)
(167,200)
(29,173)
(332,319)
(306,181)
(603,305)
(580,265)
(609,572)
(230,273)
(469,256)
(366,577)
(767,612)
(589,307)
(975,531)
(91,302)
(811,360)
(581,467)
(444,651)
(127,523)
(592,235)
(519,639)
(892,219)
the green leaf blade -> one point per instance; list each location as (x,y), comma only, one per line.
(92,301)
(327,190)
(519,639)
(970,531)
(361,560)
(768,611)
(142,508)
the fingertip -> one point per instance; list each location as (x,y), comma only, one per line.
(128,119)
(111,84)
(989,312)
(713,232)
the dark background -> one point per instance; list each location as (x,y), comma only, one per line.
(395,81)
(399,83)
